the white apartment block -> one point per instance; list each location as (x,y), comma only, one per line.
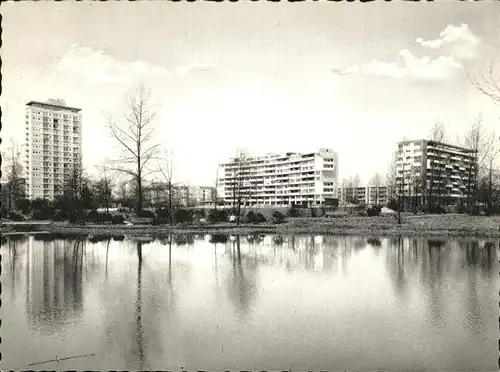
(370,195)
(53,147)
(280,179)
(434,170)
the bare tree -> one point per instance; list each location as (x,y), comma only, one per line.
(356,181)
(391,176)
(13,170)
(134,134)
(216,189)
(239,181)
(376,182)
(437,134)
(166,169)
(488,82)
(491,153)
(104,186)
(475,139)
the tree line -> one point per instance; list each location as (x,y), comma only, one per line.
(144,161)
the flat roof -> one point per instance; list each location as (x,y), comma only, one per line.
(437,143)
(53,105)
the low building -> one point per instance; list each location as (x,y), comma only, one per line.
(183,195)
(376,195)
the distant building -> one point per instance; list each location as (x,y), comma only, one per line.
(281,179)
(376,195)
(184,195)
(430,172)
(53,147)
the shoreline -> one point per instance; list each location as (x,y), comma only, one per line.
(426,225)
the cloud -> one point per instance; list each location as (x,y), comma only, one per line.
(460,39)
(409,66)
(96,67)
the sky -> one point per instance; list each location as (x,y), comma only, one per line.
(268,77)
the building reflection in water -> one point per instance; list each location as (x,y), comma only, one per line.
(316,254)
(54,293)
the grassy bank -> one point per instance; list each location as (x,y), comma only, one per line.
(418,225)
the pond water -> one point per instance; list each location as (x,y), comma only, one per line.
(250,302)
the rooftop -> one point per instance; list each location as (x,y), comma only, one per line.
(54,103)
(436,143)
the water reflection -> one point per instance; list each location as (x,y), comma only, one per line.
(242,282)
(54,281)
(150,303)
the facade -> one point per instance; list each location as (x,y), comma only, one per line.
(53,147)
(430,172)
(188,196)
(280,179)
(370,195)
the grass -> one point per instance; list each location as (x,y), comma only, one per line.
(412,225)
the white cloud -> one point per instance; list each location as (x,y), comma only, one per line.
(457,42)
(462,42)
(96,67)
(410,66)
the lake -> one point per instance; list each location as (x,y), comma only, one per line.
(201,302)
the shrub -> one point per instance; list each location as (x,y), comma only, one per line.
(59,216)
(374,211)
(293,211)
(145,214)
(40,204)
(393,204)
(16,216)
(278,217)
(93,216)
(251,217)
(436,209)
(200,214)
(219,215)
(162,216)
(183,216)
(24,205)
(461,208)
(97,217)
(117,219)
(42,214)
(261,218)
(5,211)
(313,212)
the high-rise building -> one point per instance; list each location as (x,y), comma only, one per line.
(430,172)
(53,147)
(280,179)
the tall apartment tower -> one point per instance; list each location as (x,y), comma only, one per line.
(281,179)
(430,172)
(53,147)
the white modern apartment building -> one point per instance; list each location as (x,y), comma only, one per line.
(53,147)
(280,179)
(430,172)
